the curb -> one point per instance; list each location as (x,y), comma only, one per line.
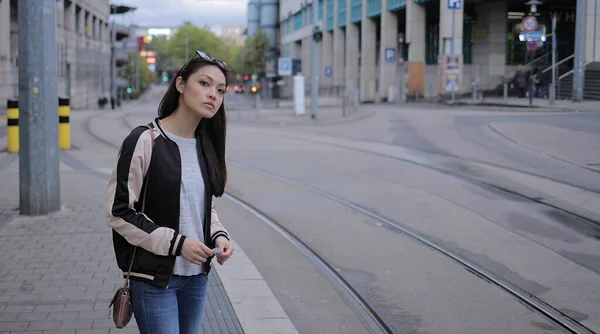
(301,122)
(523,108)
(494,128)
(255,305)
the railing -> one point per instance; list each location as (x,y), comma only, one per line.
(573,70)
(549,68)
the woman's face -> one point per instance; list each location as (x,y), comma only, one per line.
(204,90)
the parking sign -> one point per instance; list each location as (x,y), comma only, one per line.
(285,66)
(454,4)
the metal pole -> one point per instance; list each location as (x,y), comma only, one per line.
(137,72)
(452,49)
(452,45)
(553,86)
(595,22)
(530,87)
(257,105)
(66,37)
(68,79)
(15,71)
(315,67)
(113,66)
(579,68)
(39,179)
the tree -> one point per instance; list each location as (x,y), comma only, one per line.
(164,58)
(146,77)
(198,39)
(251,58)
(171,55)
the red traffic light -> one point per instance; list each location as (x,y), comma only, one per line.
(245,77)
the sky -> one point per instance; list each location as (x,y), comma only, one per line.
(174,12)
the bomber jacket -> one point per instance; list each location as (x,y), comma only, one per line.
(149,162)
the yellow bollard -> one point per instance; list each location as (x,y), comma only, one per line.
(12,125)
(64,126)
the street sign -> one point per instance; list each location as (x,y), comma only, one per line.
(328,72)
(452,73)
(270,69)
(454,4)
(390,55)
(533,36)
(532,45)
(529,24)
(285,66)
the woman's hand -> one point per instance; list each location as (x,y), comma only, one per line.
(195,251)
(223,244)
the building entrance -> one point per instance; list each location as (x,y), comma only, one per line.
(516,50)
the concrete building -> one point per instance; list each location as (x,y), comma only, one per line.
(83,44)
(235,32)
(369,46)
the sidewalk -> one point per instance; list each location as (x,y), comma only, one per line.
(286,116)
(59,271)
(537,104)
(574,147)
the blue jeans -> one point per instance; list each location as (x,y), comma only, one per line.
(175,310)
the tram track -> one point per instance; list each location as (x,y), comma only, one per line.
(366,311)
(468,178)
(545,309)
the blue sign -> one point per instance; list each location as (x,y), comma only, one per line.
(454,4)
(390,55)
(533,36)
(284,67)
(532,45)
(328,72)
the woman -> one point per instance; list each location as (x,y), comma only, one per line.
(160,200)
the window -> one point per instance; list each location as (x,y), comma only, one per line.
(77,19)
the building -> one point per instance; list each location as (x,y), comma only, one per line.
(83,45)
(370,46)
(234,32)
(264,14)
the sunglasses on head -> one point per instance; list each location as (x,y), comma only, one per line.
(205,56)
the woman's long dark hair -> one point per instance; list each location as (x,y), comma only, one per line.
(210,133)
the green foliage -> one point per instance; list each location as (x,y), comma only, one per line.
(251,58)
(171,53)
(146,76)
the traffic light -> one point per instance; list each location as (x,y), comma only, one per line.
(128,90)
(245,78)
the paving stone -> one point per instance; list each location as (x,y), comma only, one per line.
(93,315)
(94,331)
(9,316)
(49,308)
(65,315)
(76,324)
(44,325)
(32,316)
(14,326)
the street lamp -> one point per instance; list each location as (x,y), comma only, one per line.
(534,4)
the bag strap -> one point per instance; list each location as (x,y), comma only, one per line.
(143,209)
